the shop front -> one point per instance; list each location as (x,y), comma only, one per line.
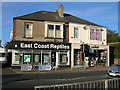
(97,55)
(35,53)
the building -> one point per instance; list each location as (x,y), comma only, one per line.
(54,38)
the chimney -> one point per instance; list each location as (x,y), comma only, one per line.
(55,10)
(61,11)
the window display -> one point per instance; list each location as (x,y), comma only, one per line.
(77,59)
(36,58)
(63,58)
(45,58)
(27,58)
(17,58)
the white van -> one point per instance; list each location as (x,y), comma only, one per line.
(2,55)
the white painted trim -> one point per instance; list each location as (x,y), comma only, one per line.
(68,55)
(53,23)
(57,58)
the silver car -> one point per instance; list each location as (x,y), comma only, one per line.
(114,71)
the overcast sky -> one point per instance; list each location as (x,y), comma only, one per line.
(102,13)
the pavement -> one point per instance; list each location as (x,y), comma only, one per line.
(61,70)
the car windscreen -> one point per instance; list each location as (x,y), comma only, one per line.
(118,65)
(2,54)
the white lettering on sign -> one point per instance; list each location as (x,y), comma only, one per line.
(24,45)
(62,46)
(36,45)
(42,46)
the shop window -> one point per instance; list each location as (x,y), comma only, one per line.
(76,32)
(28,30)
(37,58)
(63,59)
(27,58)
(45,59)
(17,58)
(76,57)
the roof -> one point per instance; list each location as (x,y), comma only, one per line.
(53,16)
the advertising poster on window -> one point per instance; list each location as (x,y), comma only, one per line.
(36,58)
(77,59)
(17,59)
(64,58)
(27,58)
(95,34)
(46,58)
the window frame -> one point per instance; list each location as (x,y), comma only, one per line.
(25,29)
(93,31)
(55,30)
(77,32)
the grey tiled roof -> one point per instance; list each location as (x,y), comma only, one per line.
(53,16)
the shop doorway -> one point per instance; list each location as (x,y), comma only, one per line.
(53,58)
(77,57)
(99,57)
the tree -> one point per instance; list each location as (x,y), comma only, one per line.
(112,36)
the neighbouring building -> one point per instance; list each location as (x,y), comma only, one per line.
(55,38)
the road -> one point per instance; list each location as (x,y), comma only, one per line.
(16,81)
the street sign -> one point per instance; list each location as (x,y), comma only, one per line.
(45,67)
(26,67)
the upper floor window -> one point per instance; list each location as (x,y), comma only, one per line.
(95,34)
(50,30)
(54,31)
(28,29)
(58,31)
(76,32)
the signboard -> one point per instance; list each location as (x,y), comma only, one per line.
(40,45)
(45,67)
(26,67)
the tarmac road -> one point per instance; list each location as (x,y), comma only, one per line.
(22,81)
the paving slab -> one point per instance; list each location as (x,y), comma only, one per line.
(62,70)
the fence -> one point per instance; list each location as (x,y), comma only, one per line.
(110,84)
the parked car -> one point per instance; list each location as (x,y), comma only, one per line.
(114,71)
(2,55)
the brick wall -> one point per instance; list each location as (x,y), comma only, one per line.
(116,61)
